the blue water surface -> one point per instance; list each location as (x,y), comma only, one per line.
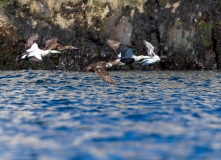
(156,115)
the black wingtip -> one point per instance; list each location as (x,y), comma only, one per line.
(18,58)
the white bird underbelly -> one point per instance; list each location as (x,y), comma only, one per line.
(150,60)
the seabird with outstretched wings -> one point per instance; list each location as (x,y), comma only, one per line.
(100,68)
(125,57)
(33,53)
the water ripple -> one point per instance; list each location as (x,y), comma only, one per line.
(74,115)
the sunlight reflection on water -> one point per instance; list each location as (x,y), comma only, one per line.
(74,115)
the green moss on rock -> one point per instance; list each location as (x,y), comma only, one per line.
(4,3)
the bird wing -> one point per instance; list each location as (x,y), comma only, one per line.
(51,44)
(103,74)
(31,40)
(113,44)
(34,59)
(20,57)
(34,47)
(126,52)
(149,47)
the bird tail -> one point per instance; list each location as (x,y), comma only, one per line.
(20,57)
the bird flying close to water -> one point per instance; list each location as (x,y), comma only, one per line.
(35,54)
(100,69)
(153,58)
(125,57)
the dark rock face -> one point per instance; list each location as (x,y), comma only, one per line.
(187,32)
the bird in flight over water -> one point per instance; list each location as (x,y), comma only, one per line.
(100,69)
(125,57)
(35,54)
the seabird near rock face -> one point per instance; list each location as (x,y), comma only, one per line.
(125,57)
(100,69)
(33,53)
(153,58)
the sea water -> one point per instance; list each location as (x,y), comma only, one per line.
(156,115)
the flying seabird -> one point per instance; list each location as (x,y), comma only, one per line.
(100,69)
(149,50)
(125,57)
(33,53)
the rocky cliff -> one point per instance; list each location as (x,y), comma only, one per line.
(188,32)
